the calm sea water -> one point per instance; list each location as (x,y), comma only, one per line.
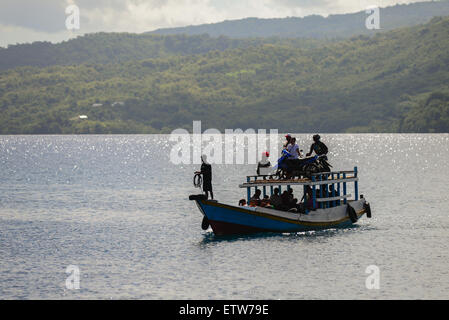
(118,209)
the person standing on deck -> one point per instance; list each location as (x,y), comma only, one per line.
(206,171)
(319,147)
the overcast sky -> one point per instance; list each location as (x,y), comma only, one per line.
(37,20)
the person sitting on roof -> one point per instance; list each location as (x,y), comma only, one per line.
(264,166)
(319,147)
(293,149)
(288,139)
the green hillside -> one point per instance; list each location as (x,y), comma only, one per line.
(307,32)
(104,48)
(396,81)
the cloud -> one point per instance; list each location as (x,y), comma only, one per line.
(25,20)
(40,16)
(141,16)
(17,34)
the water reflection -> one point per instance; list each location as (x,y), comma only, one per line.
(316,235)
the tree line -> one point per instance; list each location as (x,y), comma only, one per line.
(397,81)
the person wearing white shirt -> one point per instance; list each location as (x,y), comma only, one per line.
(293,149)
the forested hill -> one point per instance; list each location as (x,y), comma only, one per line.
(396,81)
(308,32)
(333,26)
(103,48)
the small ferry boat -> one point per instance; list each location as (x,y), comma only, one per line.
(327,204)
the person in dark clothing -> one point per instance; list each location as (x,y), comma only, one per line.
(265,202)
(255,199)
(290,194)
(286,202)
(319,147)
(275,199)
(309,203)
(206,171)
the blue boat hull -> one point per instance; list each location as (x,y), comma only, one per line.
(226,219)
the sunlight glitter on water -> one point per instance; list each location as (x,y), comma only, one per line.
(116,207)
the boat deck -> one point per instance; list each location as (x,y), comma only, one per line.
(317,179)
